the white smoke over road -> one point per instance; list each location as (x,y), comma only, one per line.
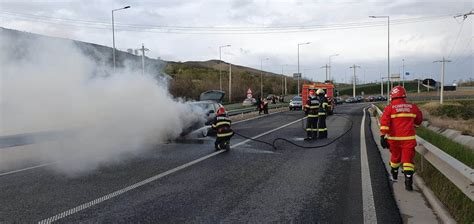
(51,85)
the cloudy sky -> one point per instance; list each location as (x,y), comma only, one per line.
(421,32)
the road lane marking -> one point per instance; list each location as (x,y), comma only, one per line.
(149,180)
(27,168)
(48,164)
(368,204)
(253,118)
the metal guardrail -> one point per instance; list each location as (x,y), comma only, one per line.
(252,109)
(457,172)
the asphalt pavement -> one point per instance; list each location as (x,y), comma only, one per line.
(186,181)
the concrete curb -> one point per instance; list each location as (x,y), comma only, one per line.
(452,134)
(411,209)
(435,203)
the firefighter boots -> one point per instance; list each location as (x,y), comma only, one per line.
(408,180)
(394,172)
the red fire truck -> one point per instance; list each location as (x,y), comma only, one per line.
(328,88)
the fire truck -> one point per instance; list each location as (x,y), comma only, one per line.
(328,88)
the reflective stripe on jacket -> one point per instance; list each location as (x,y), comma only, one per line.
(312,107)
(324,106)
(222,125)
(399,120)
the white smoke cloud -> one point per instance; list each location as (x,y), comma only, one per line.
(52,86)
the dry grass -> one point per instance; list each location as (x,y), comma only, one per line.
(465,126)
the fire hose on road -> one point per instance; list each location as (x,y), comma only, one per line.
(274,146)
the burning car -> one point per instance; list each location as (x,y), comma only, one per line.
(209,102)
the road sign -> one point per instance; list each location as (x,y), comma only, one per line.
(249,93)
(395,78)
(296,75)
(407,73)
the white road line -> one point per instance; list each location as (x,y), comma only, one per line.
(151,179)
(368,205)
(27,168)
(48,164)
(253,118)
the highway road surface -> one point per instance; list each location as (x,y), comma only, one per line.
(187,181)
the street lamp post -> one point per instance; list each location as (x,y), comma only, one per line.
(403,73)
(330,56)
(261,76)
(299,75)
(113,33)
(388,51)
(220,67)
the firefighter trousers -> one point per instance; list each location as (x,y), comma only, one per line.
(312,126)
(402,153)
(322,129)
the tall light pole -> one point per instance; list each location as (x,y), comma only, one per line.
(261,76)
(220,67)
(388,51)
(299,74)
(282,79)
(330,56)
(113,33)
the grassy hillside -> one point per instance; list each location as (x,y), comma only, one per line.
(188,79)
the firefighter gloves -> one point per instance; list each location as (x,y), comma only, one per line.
(384,142)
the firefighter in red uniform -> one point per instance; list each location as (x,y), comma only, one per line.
(397,127)
(222,126)
(311,109)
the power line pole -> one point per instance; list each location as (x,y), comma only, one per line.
(354,80)
(403,72)
(143,49)
(442,78)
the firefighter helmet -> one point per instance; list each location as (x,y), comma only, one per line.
(320,91)
(220,111)
(398,92)
(311,92)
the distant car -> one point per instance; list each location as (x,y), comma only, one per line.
(381,98)
(249,102)
(371,98)
(339,100)
(296,103)
(359,98)
(209,101)
(351,100)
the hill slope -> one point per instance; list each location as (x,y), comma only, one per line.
(188,79)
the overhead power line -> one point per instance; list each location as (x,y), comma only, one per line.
(211,29)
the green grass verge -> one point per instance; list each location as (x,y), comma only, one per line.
(458,204)
(456,150)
